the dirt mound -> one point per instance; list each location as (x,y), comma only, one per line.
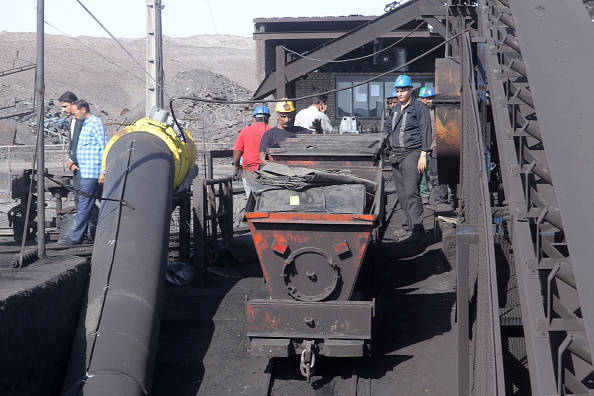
(97,70)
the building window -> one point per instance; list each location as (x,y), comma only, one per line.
(367,100)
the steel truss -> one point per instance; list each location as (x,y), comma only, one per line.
(544,232)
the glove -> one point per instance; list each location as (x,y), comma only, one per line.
(237,175)
(317,125)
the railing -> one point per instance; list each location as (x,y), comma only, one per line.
(213,221)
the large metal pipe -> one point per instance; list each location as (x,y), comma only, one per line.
(115,346)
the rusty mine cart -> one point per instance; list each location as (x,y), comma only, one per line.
(311,241)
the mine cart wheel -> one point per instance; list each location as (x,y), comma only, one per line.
(304,269)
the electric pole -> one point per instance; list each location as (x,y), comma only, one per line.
(39,99)
(154,55)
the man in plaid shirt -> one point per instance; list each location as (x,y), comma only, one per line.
(89,152)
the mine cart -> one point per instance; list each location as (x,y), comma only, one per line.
(330,150)
(311,242)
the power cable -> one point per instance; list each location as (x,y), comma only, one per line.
(215,101)
(121,46)
(354,59)
(98,53)
(308,96)
(212,17)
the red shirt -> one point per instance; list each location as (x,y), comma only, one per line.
(248,141)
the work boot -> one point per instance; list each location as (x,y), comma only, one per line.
(401,234)
(415,236)
(69,242)
(425,200)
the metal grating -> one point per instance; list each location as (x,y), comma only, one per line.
(474,199)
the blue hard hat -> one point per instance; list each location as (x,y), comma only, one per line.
(403,81)
(426,92)
(392,94)
(261,110)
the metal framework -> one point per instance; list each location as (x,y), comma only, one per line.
(525,228)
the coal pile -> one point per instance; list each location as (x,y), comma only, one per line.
(222,122)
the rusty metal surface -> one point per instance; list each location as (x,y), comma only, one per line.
(312,255)
(294,319)
(329,247)
(448,119)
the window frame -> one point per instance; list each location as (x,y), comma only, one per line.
(347,98)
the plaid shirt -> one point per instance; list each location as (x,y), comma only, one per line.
(89,150)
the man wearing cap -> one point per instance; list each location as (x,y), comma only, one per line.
(246,154)
(409,138)
(285,128)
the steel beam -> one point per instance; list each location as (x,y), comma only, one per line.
(334,49)
(566,130)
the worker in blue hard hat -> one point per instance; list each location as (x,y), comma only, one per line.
(439,191)
(409,139)
(392,99)
(246,149)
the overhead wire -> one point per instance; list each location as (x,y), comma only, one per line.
(191,98)
(319,93)
(121,46)
(354,59)
(212,17)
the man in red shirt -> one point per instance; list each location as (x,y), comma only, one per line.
(246,148)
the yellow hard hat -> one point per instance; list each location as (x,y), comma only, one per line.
(285,107)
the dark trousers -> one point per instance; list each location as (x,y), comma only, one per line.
(407,181)
(76,184)
(439,191)
(85,208)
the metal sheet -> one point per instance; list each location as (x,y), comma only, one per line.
(294,319)
(546,27)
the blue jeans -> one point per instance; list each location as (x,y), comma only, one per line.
(407,181)
(85,207)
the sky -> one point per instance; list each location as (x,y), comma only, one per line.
(181,18)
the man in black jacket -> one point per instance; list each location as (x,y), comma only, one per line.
(67,100)
(409,130)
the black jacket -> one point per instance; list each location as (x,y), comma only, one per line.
(74,141)
(410,128)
